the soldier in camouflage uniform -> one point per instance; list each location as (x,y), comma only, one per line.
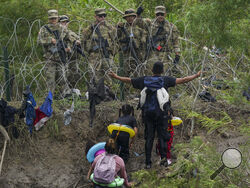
(73,70)
(99,43)
(55,63)
(131,39)
(162,38)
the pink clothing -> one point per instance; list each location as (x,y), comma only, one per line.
(99,152)
(119,169)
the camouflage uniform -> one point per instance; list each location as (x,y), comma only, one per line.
(98,64)
(131,39)
(73,70)
(54,67)
(168,39)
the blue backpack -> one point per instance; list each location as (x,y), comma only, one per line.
(151,104)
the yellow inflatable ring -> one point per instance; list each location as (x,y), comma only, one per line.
(176,121)
(119,127)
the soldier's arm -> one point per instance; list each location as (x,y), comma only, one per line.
(44,37)
(143,23)
(143,40)
(175,40)
(86,35)
(69,35)
(118,29)
(73,35)
(114,40)
(119,35)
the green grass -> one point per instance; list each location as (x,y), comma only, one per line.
(196,161)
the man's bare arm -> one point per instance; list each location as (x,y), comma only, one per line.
(187,78)
(123,79)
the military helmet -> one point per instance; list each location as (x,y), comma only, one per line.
(63,18)
(160,9)
(52,14)
(100,11)
(129,12)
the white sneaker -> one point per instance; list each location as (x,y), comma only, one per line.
(169,161)
(87,95)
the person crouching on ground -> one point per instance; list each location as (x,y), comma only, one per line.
(120,170)
(122,137)
(153,120)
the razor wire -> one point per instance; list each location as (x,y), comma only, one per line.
(27,67)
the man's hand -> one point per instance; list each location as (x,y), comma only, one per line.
(198,74)
(53,41)
(78,42)
(68,49)
(123,79)
(188,78)
(139,11)
(112,74)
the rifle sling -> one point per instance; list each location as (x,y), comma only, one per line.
(102,42)
(126,40)
(62,52)
(51,32)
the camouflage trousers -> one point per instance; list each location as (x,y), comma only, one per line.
(56,76)
(73,73)
(99,67)
(132,67)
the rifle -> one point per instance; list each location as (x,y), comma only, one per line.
(102,43)
(60,45)
(152,42)
(78,49)
(130,43)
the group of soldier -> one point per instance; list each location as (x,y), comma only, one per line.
(139,41)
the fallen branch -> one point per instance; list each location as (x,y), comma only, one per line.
(114,7)
(7,138)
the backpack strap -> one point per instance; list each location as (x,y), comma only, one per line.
(152,85)
(118,132)
(142,97)
(159,30)
(162,97)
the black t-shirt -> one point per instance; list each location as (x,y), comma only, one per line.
(125,120)
(138,83)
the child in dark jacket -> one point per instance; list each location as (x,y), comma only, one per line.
(122,138)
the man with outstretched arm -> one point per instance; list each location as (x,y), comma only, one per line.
(154,119)
(177,80)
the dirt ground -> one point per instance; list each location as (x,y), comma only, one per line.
(55,158)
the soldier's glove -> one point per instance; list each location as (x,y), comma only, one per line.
(139,11)
(176,59)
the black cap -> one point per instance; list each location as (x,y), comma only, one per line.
(158,68)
